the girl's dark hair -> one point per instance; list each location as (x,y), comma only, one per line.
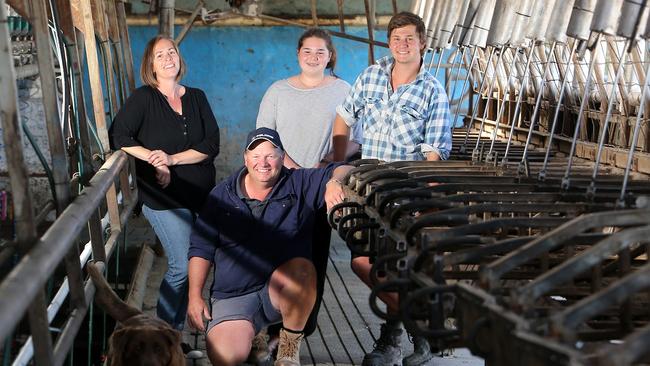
(325,36)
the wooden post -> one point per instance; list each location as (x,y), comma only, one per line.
(371,33)
(83,20)
(126,43)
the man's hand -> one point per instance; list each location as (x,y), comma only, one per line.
(197,313)
(163,176)
(159,158)
(334,193)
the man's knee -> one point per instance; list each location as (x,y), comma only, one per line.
(228,343)
(360,266)
(299,271)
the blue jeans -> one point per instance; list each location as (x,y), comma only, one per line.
(173,228)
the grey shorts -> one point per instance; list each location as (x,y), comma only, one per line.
(255,307)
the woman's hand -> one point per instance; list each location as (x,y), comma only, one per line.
(163,176)
(159,158)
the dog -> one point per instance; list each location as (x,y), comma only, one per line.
(139,339)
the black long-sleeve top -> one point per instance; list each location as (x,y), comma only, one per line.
(147,120)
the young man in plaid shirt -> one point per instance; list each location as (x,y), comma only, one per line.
(404,112)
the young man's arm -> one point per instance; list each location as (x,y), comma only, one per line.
(340,138)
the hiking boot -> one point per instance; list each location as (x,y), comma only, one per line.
(421,353)
(388,348)
(259,354)
(289,348)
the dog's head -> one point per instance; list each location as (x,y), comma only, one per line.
(146,345)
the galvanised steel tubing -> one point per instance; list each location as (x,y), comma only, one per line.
(434,20)
(487,103)
(480,89)
(537,33)
(630,351)
(562,235)
(521,168)
(581,17)
(520,98)
(565,179)
(635,136)
(464,28)
(462,89)
(574,266)
(542,172)
(606,16)
(417,7)
(489,157)
(591,190)
(15,293)
(460,65)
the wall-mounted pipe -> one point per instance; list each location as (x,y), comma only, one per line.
(417,7)
(522,19)
(502,23)
(482,23)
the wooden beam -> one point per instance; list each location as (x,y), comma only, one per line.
(83,18)
(126,44)
(20,6)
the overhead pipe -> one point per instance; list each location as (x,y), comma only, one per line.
(555,33)
(500,30)
(417,7)
(637,123)
(536,31)
(479,39)
(578,29)
(450,16)
(629,30)
(517,41)
(603,22)
(463,38)
(433,14)
(455,38)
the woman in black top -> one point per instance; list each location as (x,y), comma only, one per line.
(170,129)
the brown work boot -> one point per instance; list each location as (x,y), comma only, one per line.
(259,354)
(289,348)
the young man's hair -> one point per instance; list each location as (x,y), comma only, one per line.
(405,18)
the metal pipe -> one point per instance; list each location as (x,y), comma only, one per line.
(480,89)
(490,156)
(502,23)
(606,16)
(522,20)
(15,293)
(556,31)
(542,171)
(487,103)
(448,24)
(459,28)
(565,179)
(463,35)
(166,18)
(417,7)
(591,190)
(434,18)
(541,17)
(522,91)
(482,23)
(581,17)
(462,89)
(635,136)
(538,102)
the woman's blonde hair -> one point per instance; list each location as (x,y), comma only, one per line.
(147,73)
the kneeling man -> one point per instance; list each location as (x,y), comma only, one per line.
(256,228)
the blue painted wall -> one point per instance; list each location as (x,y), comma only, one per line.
(235,66)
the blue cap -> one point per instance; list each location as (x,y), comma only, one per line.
(264,133)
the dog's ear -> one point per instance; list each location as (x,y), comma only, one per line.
(107,299)
(116,345)
(174,339)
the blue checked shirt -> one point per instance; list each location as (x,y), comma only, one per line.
(398,125)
